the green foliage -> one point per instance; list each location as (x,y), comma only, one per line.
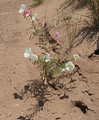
(49,68)
(39,1)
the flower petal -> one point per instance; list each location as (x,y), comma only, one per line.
(47,60)
(57,36)
(47,57)
(33,17)
(28,50)
(21,11)
(27,15)
(67,68)
(22,8)
(33,57)
(76,56)
(45,82)
(26,55)
(27,12)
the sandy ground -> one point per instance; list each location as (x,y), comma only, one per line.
(80,99)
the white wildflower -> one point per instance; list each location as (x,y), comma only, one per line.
(34,17)
(34,57)
(27,53)
(69,66)
(76,56)
(22,8)
(47,57)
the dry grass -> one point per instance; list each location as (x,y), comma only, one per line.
(39,1)
(94,7)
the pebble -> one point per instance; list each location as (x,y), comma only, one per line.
(22,112)
(8,114)
(16,105)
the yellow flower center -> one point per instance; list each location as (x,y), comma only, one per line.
(70,65)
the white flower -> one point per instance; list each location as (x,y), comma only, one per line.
(33,17)
(22,8)
(27,53)
(47,60)
(47,57)
(28,50)
(76,56)
(63,70)
(34,57)
(69,66)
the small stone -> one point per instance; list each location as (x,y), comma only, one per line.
(16,105)
(8,114)
(22,112)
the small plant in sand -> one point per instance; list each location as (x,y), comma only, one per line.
(47,64)
(39,29)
